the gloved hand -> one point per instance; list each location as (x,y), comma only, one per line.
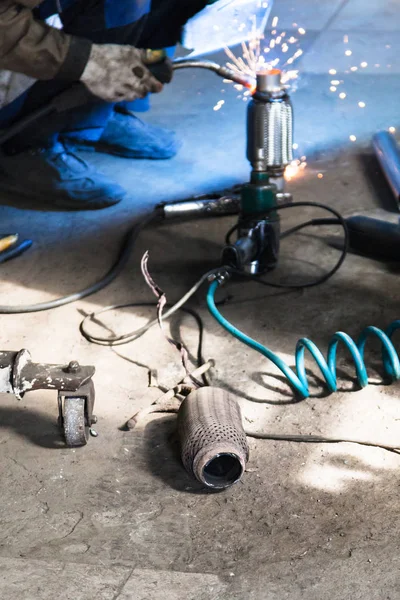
(115,73)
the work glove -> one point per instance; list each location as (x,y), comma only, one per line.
(115,73)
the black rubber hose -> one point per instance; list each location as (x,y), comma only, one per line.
(72,97)
(122,259)
(6,134)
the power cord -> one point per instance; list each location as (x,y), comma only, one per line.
(117,340)
(338,220)
(123,257)
(121,261)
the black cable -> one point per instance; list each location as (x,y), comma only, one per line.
(130,241)
(94,317)
(23,123)
(339,220)
(117,267)
(229,234)
(69,98)
(311,223)
(200,358)
(284,234)
(128,337)
(199,322)
(119,340)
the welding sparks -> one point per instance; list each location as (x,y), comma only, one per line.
(353,65)
(334,83)
(255,54)
(219,105)
(295,169)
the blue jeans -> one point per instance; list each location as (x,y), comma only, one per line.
(102,21)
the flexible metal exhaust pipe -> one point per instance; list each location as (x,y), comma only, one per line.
(213,442)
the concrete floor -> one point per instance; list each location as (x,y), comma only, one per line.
(120,518)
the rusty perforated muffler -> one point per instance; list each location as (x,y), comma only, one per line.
(213,442)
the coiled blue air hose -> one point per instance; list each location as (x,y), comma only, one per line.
(298,378)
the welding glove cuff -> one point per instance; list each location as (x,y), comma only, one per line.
(115,73)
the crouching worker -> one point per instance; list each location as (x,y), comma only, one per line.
(101,44)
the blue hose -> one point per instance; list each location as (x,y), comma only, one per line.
(298,378)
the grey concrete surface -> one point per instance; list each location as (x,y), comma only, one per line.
(120,518)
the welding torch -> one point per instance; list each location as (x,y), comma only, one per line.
(162,68)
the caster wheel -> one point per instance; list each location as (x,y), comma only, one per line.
(76,428)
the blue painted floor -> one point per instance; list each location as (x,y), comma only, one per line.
(213,152)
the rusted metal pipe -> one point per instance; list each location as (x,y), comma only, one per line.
(213,442)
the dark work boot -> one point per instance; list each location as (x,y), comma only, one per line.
(127,136)
(59,177)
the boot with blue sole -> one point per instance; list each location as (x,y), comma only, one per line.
(56,176)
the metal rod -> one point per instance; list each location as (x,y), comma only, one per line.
(196,209)
(220,70)
(388,154)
